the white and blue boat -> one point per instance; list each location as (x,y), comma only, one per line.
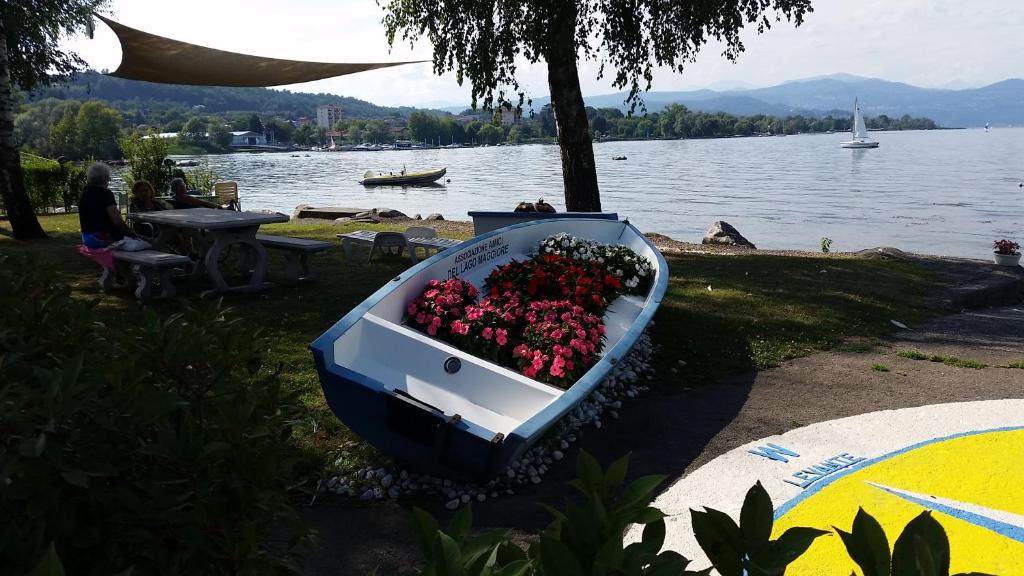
(440,410)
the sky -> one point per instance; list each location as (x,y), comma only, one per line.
(932,43)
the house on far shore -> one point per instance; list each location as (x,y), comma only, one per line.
(509,116)
(248,138)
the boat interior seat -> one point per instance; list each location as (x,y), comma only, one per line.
(407,360)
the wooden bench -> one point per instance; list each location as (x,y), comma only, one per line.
(297,252)
(147,266)
(367,237)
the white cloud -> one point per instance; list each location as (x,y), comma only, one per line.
(923,42)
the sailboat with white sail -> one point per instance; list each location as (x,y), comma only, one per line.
(860,131)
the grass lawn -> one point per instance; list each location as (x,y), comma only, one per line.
(722,314)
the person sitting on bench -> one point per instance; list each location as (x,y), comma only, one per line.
(98,214)
(182,199)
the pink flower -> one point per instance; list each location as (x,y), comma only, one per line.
(436,321)
(430,294)
(412,307)
(432,329)
(487,333)
(556,334)
(521,350)
(421,318)
(529,371)
(502,336)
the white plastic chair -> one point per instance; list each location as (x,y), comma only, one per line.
(386,242)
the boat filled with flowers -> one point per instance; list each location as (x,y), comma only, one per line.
(461,363)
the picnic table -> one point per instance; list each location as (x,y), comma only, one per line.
(367,237)
(213,232)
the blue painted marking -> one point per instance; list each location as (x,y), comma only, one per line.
(793,502)
(997,526)
(774,452)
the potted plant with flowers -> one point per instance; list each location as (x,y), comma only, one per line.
(1006,252)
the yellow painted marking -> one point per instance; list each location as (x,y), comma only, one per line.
(984,469)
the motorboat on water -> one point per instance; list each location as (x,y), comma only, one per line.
(440,409)
(403,178)
(860,131)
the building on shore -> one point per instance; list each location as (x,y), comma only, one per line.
(248,138)
(327,115)
(509,116)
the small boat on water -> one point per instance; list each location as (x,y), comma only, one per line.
(440,409)
(860,132)
(403,178)
(618,157)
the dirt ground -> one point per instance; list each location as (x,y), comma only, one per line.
(678,432)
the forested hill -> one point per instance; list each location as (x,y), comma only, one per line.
(134,96)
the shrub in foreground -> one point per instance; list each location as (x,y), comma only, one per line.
(586,538)
(160,449)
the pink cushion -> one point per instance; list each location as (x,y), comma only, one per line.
(102,256)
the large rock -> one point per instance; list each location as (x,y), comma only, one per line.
(722,232)
(389,213)
(434,216)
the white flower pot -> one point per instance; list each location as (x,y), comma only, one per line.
(1007,259)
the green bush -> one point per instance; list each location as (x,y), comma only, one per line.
(586,538)
(50,184)
(145,161)
(162,448)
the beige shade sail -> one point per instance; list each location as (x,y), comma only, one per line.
(157,59)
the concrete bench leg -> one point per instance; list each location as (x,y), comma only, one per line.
(107,279)
(347,246)
(297,267)
(144,290)
(294,266)
(166,285)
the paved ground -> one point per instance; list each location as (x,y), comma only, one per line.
(675,433)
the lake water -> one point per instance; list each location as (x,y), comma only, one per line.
(941,192)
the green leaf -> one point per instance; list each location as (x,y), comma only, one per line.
(616,473)
(790,546)
(517,568)
(460,524)
(653,537)
(648,515)
(50,564)
(588,472)
(556,558)
(555,512)
(609,556)
(33,447)
(719,538)
(667,564)
(867,545)
(921,546)
(427,529)
(155,403)
(640,491)
(75,478)
(447,556)
(756,518)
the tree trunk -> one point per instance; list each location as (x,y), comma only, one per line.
(579,175)
(12,181)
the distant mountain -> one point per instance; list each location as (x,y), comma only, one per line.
(1001,103)
(131,95)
